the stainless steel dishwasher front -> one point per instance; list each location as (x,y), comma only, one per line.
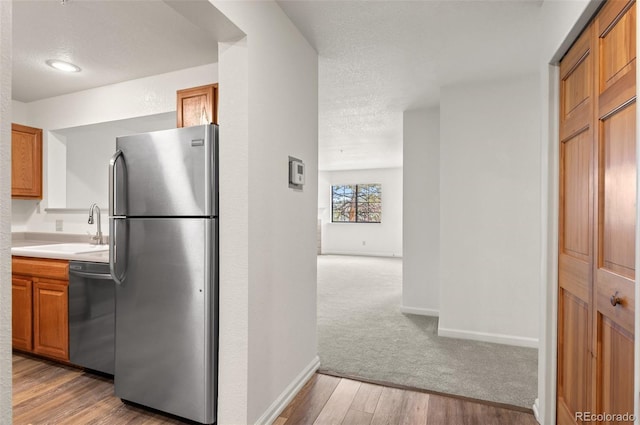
(91,316)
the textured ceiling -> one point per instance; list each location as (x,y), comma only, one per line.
(379,58)
(112,41)
(376,58)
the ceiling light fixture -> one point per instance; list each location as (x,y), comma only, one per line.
(62,65)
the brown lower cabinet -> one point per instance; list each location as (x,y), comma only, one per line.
(22,310)
(40,317)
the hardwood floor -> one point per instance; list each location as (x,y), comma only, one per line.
(45,392)
(50,393)
(328,400)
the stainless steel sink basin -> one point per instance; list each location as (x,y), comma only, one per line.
(64,248)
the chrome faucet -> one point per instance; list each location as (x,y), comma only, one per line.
(97,238)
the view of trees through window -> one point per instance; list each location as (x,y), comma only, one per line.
(356,203)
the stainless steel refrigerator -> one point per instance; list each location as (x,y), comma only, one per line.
(163,221)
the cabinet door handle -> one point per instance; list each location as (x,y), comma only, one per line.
(615,299)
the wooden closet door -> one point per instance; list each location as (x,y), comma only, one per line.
(576,223)
(616,208)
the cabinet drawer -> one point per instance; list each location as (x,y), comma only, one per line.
(52,269)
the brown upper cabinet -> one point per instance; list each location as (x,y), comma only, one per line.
(26,162)
(198,105)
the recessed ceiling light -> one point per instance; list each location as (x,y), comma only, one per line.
(62,65)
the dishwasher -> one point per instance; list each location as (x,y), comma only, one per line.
(91,316)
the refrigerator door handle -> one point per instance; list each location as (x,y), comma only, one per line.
(113,195)
(113,250)
(112,183)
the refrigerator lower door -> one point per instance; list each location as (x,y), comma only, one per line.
(165,317)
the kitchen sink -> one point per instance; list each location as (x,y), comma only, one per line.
(64,248)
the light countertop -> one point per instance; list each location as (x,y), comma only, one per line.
(27,239)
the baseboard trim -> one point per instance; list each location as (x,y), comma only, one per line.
(536,410)
(279,404)
(420,311)
(489,337)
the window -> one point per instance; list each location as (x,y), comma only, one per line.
(356,203)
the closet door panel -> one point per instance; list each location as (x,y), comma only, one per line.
(577,187)
(576,87)
(617,210)
(615,272)
(615,374)
(574,303)
(574,356)
(614,276)
(576,224)
(617,42)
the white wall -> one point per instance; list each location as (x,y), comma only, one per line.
(490,210)
(149,96)
(78,159)
(421,212)
(278,250)
(5,212)
(134,98)
(18,112)
(378,239)
(233,351)
(562,21)
(86,181)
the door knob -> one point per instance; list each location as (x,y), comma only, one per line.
(615,299)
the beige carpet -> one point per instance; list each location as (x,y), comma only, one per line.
(362,333)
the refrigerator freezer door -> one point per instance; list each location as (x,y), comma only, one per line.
(165,317)
(167,173)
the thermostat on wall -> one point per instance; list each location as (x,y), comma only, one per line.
(296,172)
